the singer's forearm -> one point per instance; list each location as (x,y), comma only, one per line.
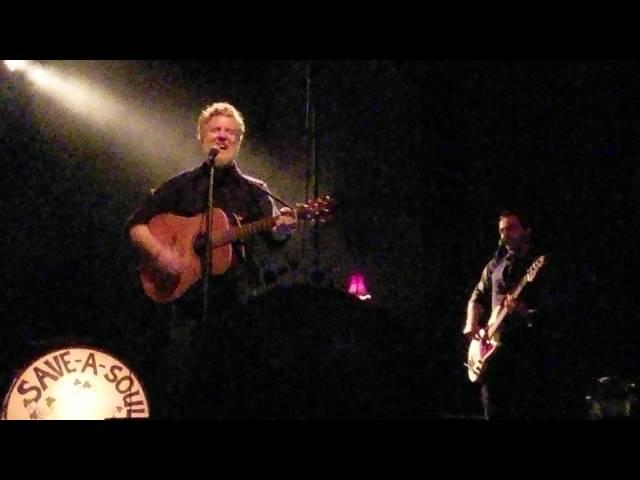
(474,312)
(145,241)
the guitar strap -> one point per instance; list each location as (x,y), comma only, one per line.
(272,195)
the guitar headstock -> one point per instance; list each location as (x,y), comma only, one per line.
(533,269)
(319,210)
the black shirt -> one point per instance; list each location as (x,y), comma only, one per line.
(502,275)
(187,194)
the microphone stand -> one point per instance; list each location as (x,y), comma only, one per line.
(310,130)
(206,259)
(209,235)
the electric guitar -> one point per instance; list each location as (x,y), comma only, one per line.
(186,236)
(486,343)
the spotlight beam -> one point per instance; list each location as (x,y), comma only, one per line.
(14,65)
(142,132)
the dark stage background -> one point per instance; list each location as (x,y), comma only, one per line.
(422,156)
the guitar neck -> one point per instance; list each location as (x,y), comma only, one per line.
(516,292)
(316,211)
(502,313)
(243,232)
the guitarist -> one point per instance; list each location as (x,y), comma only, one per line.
(220,127)
(512,385)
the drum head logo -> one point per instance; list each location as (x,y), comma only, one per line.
(75,384)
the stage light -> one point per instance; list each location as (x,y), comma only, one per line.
(358,287)
(14,65)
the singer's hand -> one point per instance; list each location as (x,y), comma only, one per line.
(471,331)
(169,263)
(286,222)
(513,305)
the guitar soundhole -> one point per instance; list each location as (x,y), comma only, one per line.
(166,282)
(200,244)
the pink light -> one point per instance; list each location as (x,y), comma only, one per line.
(357,287)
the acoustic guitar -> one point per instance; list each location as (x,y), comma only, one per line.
(186,236)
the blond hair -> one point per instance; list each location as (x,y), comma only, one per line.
(219,108)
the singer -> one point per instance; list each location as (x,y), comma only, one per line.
(220,131)
(518,383)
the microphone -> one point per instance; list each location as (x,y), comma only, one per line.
(213,153)
(502,249)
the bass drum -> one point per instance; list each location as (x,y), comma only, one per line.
(75,383)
